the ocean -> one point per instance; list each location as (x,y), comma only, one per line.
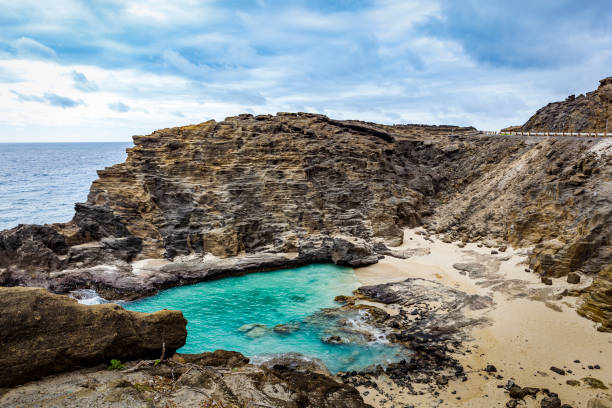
(41,182)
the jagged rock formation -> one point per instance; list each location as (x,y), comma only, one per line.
(582,113)
(262,192)
(269,190)
(219,379)
(43,334)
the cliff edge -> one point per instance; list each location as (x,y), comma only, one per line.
(262,192)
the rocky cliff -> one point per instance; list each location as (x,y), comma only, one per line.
(43,334)
(261,192)
(582,113)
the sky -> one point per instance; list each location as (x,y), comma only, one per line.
(106,70)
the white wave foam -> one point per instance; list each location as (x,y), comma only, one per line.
(360,324)
(87,297)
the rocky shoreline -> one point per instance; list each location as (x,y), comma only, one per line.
(257,193)
(434,313)
(212,207)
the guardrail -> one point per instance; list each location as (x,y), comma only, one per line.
(588,134)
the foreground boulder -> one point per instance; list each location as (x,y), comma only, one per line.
(219,379)
(43,334)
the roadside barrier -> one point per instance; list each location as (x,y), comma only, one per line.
(588,134)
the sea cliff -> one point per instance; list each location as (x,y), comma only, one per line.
(261,192)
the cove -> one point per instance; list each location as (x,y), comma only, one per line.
(241,313)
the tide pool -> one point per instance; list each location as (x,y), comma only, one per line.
(240,313)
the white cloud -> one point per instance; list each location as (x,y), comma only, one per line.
(27,47)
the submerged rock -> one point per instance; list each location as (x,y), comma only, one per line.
(42,334)
(287,328)
(254,330)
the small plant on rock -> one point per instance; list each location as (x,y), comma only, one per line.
(116,365)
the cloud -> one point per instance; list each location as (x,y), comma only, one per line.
(525,33)
(487,64)
(50,99)
(27,47)
(62,101)
(27,98)
(119,107)
(82,83)
(7,76)
(186,67)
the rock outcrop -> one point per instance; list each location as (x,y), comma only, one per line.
(219,379)
(582,113)
(252,192)
(42,334)
(263,192)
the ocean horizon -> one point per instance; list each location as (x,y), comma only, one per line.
(41,181)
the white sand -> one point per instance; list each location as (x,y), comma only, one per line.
(525,338)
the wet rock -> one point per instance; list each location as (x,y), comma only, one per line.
(296,362)
(333,340)
(573,278)
(44,334)
(286,328)
(254,330)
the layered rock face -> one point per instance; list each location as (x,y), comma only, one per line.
(298,188)
(583,113)
(263,192)
(553,194)
(42,334)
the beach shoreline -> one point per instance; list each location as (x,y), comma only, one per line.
(530,328)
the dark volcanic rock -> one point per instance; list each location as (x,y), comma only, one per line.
(44,334)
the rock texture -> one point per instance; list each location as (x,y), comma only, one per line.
(43,333)
(268,191)
(582,113)
(219,379)
(263,192)
(554,194)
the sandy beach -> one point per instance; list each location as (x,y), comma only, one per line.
(530,328)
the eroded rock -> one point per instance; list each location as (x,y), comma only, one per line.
(42,334)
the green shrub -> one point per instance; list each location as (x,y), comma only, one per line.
(116,365)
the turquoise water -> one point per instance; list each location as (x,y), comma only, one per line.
(239,313)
